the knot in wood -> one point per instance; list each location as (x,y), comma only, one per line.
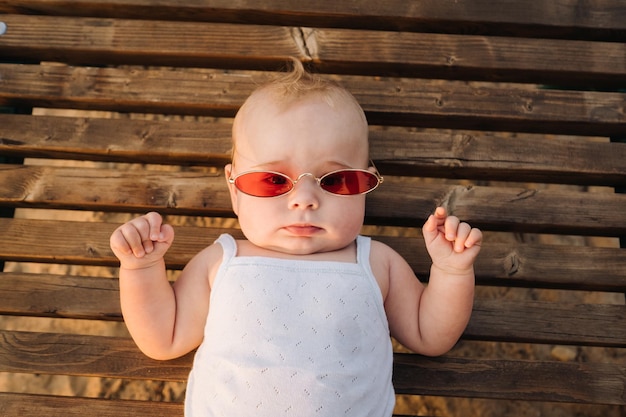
(512,264)
(91,250)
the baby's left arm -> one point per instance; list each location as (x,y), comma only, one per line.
(430,319)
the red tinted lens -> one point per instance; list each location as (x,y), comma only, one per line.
(263,184)
(349,182)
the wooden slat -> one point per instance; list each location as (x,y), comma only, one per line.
(19,405)
(386,101)
(598,19)
(172,142)
(507,379)
(592,268)
(464,57)
(509,208)
(442,154)
(163,43)
(44,295)
(200,193)
(88,244)
(599,383)
(206,193)
(83,355)
(554,266)
(549,323)
(498,157)
(109,41)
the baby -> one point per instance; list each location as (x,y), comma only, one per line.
(296,319)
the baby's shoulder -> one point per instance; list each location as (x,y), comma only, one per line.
(385,260)
(207,261)
(381,252)
(382,261)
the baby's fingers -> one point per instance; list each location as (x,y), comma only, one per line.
(119,244)
(467,237)
(451,228)
(475,238)
(136,236)
(126,241)
(462,233)
(154,221)
(138,233)
(434,224)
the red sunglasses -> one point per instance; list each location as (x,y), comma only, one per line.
(274,184)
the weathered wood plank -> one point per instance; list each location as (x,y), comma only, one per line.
(206,193)
(414,102)
(172,142)
(201,193)
(547,322)
(497,157)
(432,153)
(524,380)
(88,244)
(69,354)
(597,20)
(44,295)
(111,41)
(197,92)
(83,355)
(19,405)
(164,43)
(509,208)
(553,266)
(465,57)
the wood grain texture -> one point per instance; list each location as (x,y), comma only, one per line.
(522,380)
(403,102)
(173,142)
(46,295)
(83,355)
(18,405)
(432,153)
(167,43)
(553,266)
(436,67)
(41,295)
(599,19)
(206,193)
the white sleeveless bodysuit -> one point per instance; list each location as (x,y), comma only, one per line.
(293,338)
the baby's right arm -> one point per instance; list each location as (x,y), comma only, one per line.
(162,327)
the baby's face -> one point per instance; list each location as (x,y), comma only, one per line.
(308,136)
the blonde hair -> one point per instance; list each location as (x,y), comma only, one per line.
(296,84)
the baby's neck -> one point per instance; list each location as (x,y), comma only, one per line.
(345,254)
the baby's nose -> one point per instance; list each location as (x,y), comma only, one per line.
(305,193)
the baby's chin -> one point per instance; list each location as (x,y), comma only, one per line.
(311,249)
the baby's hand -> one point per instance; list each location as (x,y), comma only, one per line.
(453,245)
(142,241)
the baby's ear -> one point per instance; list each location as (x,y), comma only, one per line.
(228,170)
